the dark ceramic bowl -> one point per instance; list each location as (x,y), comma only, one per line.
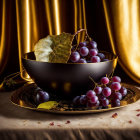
(67,80)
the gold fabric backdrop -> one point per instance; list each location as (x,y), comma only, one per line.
(123,24)
(24,22)
(55,18)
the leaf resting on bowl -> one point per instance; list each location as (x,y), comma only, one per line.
(54,48)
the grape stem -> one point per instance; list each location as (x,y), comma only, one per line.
(86,36)
(111,74)
(81,30)
(93,82)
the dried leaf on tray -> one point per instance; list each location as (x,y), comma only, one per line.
(48,105)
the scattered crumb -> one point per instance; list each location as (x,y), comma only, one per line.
(62,109)
(130,121)
(39,122)
(67,122)
(114,115)
(25,122)
(138,115)
(138,110)
(51,124)
(59,125)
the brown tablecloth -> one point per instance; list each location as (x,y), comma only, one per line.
(18,123)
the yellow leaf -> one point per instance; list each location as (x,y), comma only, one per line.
(48,105)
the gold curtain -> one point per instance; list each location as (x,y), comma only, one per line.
(5,30)
(34,19)
(123,24)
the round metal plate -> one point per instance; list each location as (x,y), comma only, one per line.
(132,97)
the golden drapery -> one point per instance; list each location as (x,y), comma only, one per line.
(31,27)
(35,19)
(123,24)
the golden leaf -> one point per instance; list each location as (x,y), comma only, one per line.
(54,48)
(48,105)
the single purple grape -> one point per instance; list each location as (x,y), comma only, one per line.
(93,45)
(75,56)
(83,100)
(116,86)
(84,51)
(104,80)
(82,61)
(42,97)
(106,91)
(104,60)
(93,52)
(90,94)
(115,103)
(98,90)
(112,94)
(95,59)
(88,61)
(116,79)
(90,105)
(76,100)
(117,95)
(123,91)
(94,99)
(102,97)
(97,103)
(105,102)
(101,55)
(82,44)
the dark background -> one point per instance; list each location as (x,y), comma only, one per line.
(96,27)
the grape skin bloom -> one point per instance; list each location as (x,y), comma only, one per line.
(75,56)
(116,86)
(106,91)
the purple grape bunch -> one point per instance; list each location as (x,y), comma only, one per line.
(109,91)
(87,52)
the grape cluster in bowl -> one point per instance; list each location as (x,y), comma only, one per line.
(109,91)
(87,52)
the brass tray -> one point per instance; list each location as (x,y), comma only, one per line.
(132,96)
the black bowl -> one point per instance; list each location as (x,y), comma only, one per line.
(67,80)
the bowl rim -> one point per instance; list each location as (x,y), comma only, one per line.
(114,55)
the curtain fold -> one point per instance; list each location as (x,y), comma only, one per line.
(24,22)
(123,24)
(8,38)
